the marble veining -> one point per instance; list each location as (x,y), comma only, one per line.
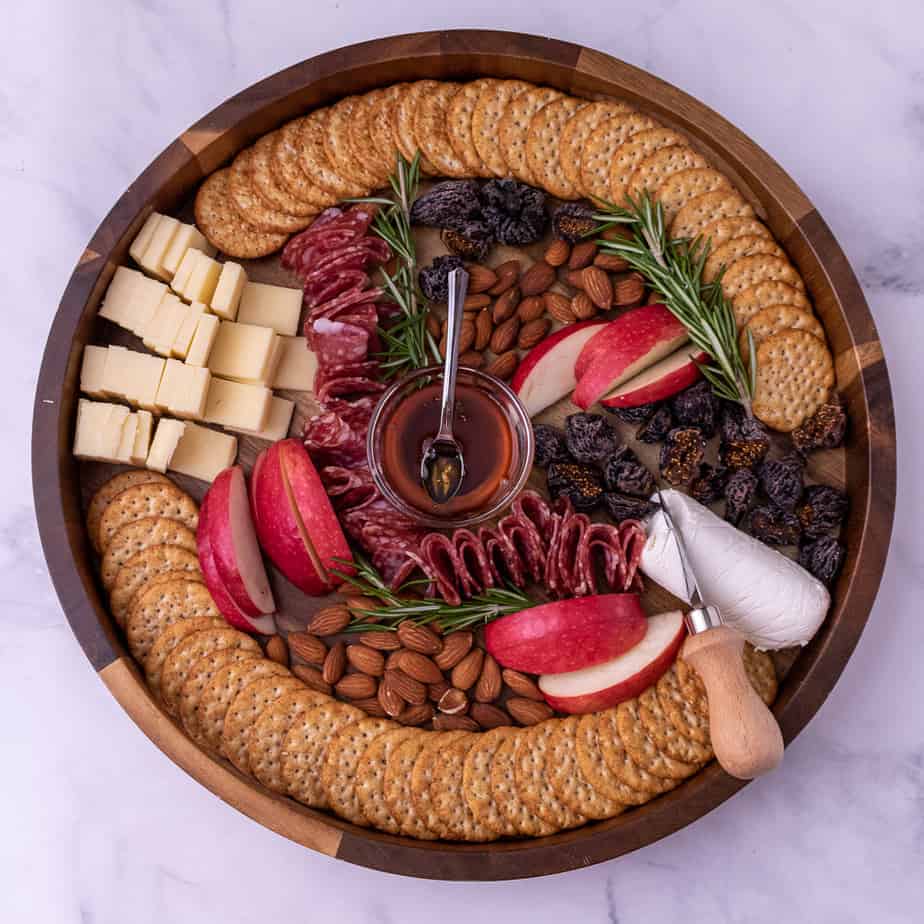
(99,827)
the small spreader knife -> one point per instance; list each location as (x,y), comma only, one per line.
(745,735)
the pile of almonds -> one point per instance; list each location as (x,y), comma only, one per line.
(414,675)
(508,309)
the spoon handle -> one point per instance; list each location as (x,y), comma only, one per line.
(458,286)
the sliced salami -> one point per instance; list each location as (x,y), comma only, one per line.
(337,342)
(330,286)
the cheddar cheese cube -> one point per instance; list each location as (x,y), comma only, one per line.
(201,347)
(227,295)
(203,453)
(271,306)
(238,406)
(99,430)
(242,352)
(297,365)
(166,437)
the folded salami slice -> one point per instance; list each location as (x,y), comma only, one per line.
(475,560)
(331,440)
(348,487)
(328,287)
(337,342)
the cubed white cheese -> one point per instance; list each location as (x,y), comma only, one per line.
(184,337)
(202,280)
(127,442)
(271,306)
(278,422)
(166,437)
(242,352)
(143,237)
(187,237)
(183,389)
(201,347)
(203,453)
(99,430)
(142,438)
(227,294)
(184,271)
(93,370)
(152,260)
(119,297)
(237,405)
(297,365)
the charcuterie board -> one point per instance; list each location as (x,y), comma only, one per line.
(863,467)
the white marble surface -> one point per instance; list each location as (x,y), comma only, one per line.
(98,826)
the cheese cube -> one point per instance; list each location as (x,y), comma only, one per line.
(166,437)
(237,405)
(144,236)
(148,295)
(278,423)
(117,302)
(271,306)
(227,295)
(184,271)
(161,333)
(297,365)
(242,352)
(203,453)
(92,370)
(201,347)
(183,389)
(152,260)
(142,438)
(187,237)
(133,376)
(184,336)
(127,442)
(202,280)
(117,373)
(99,430)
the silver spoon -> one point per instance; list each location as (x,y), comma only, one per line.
(442,467)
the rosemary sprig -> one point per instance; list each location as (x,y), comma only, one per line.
(394,607)
(674,269)
(407,344)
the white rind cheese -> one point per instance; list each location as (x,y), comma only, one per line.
(769,598)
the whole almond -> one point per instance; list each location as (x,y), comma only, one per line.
(312,678)
(420,667)
(489,683)
(436,690)
(506,305)
(617,233)
(654,298)
(532,333)
(330,620)
(419,638)
(582,254)
(466,673)
(277,650)
(476,301)
(489,716)
(415,715)
(559,307)
(505,335)
(456,646)
(528,711)
(628,290)
(575,279)
(484,325)
(453,702)
(503,366)
(557,252)
(598,287)
(531,308)
(472,358)
(392,704)
(507,275)
(480,278)
(371,706)
(308,647)
(521,685)
(611,262)
(583,307)
(366,660)
(359,605)
(381,640)
(466,336)
(409,689)
(444,722)
(334,663)
(356,686)
(434,326)
(537,278)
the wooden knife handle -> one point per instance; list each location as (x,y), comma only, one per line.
(745,735)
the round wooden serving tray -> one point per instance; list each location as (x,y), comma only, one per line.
(867,466)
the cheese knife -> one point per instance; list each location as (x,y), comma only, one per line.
(746,737)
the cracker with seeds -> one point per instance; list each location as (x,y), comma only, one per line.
(430,130)
(703,210)
(370,778)
(597,153)
(147,500)
(222,224)
(657,168)
(246,709)
(153,565)
(750,271)
(476,782)
(627,157)
(459,114)
(134,538)
(168,640)
(448,798)
(681,187)
(486,116)
(569,783)
(287,171)
(422,777)
(642,749)
(268,188)
(577,130)
(620,762)
(771,320)
(765,294)
(337,145)
(666,737)
(405,112)
(513,129)
(736,248)
(250,204)
(543,146)
(162,605)
(382,125)
(197,682)
(532,763)
(505,792)
(313,159)
(595,769)
(108,492)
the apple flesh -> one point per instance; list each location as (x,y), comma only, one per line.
(567,634)
(612,682)
(660,381)
(232,543)
(623,349)
(546,373)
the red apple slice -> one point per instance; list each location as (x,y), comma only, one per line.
(659,381)
(568,634)
(546,373)
(233,544)
(612,682)
(625,348)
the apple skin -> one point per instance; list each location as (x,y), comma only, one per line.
(622,678)
(545,374)
(623,349)
(567,635)
(660,381)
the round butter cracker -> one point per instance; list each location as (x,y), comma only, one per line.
(486,116)
(115,486)
(627,157)
(577,130)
